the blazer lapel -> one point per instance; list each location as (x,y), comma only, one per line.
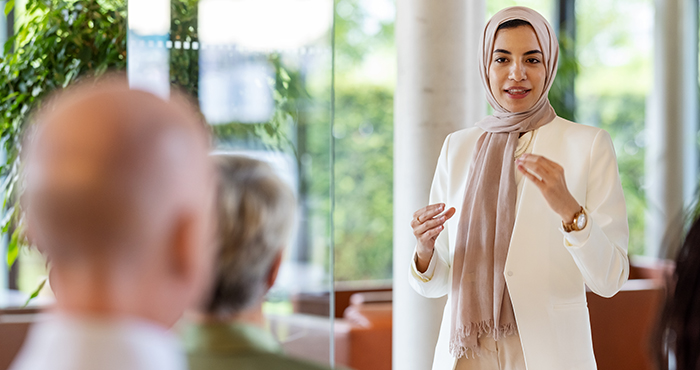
(532,210)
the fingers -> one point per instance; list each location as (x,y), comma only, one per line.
(428,212)
(429,225)
(549,177)
(450,212)
(428,222)
(432,233)
(534,161)
(541,166)
(431,212)
(530,175)
(426,239)
(540,169)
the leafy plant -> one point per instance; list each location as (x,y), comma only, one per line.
(363,183)
(561,95)
(59,42)
(622,115)
(185,62)
(62,40)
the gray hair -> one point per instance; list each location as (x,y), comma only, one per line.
(255,219)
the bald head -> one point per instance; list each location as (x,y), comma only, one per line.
(108,169)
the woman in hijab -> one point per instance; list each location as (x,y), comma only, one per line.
(541,215)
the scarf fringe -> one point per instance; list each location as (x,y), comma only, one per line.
(481,329)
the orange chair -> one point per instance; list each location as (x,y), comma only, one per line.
(622,326)
(14,325)
(369,337)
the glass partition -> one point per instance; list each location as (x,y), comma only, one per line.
(614,48)
(363,133)
(261,71)
(363,136)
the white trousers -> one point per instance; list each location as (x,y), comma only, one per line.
(505,354)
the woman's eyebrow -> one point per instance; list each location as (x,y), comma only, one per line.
(503,51)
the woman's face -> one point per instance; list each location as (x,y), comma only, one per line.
(517,71)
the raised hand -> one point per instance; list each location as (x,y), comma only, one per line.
(549,178)
(427,224)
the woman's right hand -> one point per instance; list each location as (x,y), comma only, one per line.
(427,224)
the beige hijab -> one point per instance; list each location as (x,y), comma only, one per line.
(481,304)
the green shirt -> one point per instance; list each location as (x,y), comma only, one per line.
(237,347)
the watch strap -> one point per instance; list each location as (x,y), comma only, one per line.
(573,226)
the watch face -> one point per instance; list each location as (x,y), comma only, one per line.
(581,221)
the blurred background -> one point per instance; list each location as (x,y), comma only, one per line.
(309,86)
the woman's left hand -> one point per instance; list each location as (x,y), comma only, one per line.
(549,178)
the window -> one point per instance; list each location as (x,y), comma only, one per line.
(613,45)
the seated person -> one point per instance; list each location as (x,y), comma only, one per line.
(124,221)
(256,214)
(678,337)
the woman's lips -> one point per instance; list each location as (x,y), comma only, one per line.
(517,93)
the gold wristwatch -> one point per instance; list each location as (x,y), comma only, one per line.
(578,223)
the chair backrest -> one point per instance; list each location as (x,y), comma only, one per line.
(622,325)
(650,268)
(369,338)
(14,325)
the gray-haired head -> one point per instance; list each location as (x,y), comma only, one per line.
(256,216)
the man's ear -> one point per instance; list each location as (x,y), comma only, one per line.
(191,257)
(275,268)
(183,249)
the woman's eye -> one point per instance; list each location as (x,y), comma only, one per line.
(533,60)
(500,60)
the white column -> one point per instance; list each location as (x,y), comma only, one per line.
(671,152)
(438,91)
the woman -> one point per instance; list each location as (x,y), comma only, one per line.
(542,214)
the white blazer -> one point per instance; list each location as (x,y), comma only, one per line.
(546,268)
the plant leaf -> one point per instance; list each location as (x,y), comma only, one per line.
(35,293)
(5,223)
(9,6)
(13,248)
(12,95)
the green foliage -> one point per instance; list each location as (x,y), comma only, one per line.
(561,94)
(289,94)
(185,62)
(353,42)
(623,117)
(363,183)
(364,139)
(13,249)
(36,292)
(612,53)
(60,42)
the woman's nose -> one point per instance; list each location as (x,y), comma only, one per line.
(517,72)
